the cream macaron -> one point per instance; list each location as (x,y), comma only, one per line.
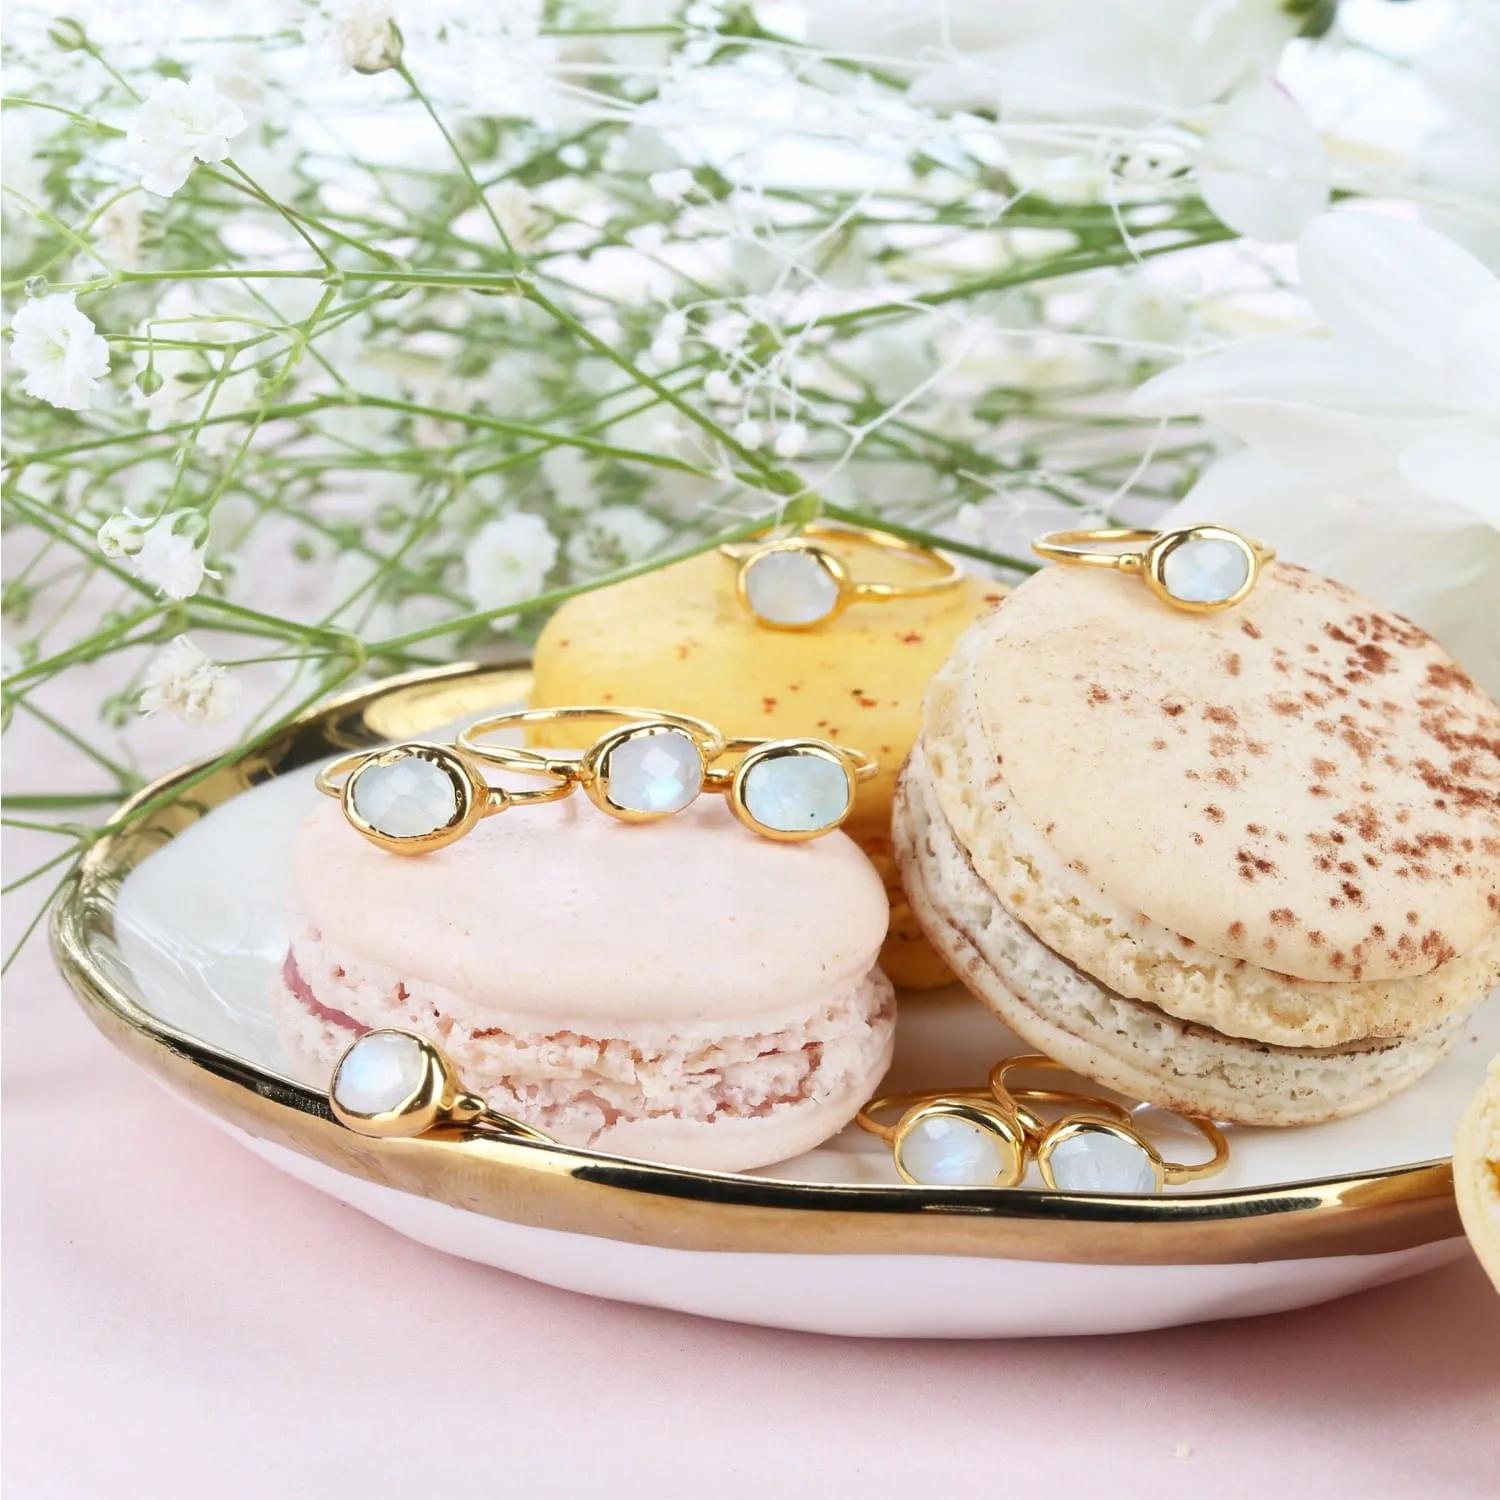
(683,991)
(1245,865)
(1476,1173)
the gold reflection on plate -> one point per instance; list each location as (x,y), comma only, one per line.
(555,1187)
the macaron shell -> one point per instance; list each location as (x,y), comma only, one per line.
(560,912)
(1305,781)
(1476,1172)
(677,638)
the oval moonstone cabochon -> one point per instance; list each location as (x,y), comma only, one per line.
(947,1151)
(1098,1161)
(1205,570)
(790,587)
(797,793)
(654,773)
(404,798)
(379,1073)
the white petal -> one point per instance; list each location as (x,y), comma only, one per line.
(1473,373)
(1338,447)
(1263,169)
(1315,371)
(1392,291)
(1460,465)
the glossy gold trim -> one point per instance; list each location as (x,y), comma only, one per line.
(585,1193)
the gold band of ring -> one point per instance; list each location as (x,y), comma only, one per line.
(828,587)
(473,797)
(1084,1123)
(1162,559)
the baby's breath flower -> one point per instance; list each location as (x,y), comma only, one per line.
(515,209)
(369,41)
(672,186)
(791,440)
(170,556)
(614,537)
(508,562)
(194,687)
(570,478)
(122,535)
(720,387)
(178,124)
(748,433)
(59,351)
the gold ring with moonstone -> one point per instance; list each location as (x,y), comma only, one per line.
(1200,569)
(1085,1152)
(655,764)
(416,797)
(968,1137)
(791,582)
(391,1082)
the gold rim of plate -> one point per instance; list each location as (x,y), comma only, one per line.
(553,1187)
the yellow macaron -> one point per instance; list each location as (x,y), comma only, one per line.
(678,639)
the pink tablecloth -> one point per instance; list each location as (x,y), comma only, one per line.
(182,1320)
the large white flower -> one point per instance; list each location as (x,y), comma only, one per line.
(58,350)
(1372,450)
(1263,169)
(178,124)
(1102,60)
(508,561)
(181,680)
(1462,157)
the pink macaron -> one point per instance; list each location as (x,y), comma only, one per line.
(683,991)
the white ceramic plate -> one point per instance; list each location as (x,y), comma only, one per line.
(174,954)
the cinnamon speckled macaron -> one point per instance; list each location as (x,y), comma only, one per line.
(1245,865)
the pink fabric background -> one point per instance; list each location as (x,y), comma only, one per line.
(182,1320)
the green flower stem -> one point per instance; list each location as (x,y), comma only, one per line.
(480,197)
(127,778)
(57,801)
(1022,275)
(929,538)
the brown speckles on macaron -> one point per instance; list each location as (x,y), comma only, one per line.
(1213,813)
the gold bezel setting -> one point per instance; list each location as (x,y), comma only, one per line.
(1075,1127)
(1159,554)
(1374,1211)
(982,1115)
(594,771)
(1149,554)
(436,1101)
(845,590)
(793,749)
(806,542)
(474,798)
